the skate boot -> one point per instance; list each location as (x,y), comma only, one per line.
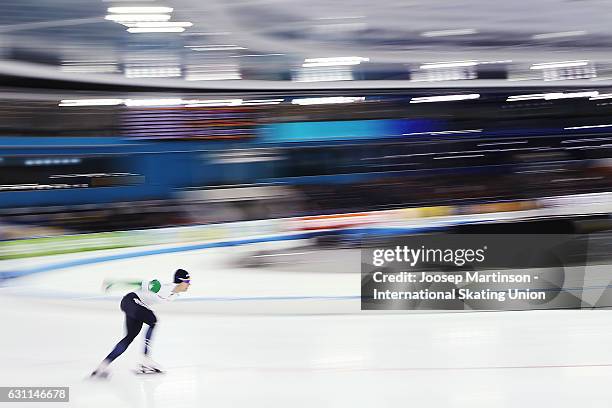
(100,374)
(149,366)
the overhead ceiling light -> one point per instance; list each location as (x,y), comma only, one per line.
(213,102)
(569,95)
(526,97)
(212,76)
(155,24)
(263,102)
(601,96)
(496,62)
(153,72)
(138,30)
(86,66)
(90,102)
(120,18)
(333,61)
(450,64)
(220,47)
(444,98)
(154,102)
(560,64)
(329,100)
(587,127)
(561,34)
(445,33)
(141,10)
(552,95)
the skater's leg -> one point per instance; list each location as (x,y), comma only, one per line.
(148,317)
(133,327)
(149,364)
(131,306)
(147,346)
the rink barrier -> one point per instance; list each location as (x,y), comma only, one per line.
(414,220)
(416,217)
(358,232)
(395,218)
(66,244)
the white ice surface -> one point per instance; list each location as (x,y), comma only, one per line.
(294,353)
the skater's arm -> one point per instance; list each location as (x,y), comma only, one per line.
(109,283)
(147,285)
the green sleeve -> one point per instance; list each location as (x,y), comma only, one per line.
(110,283)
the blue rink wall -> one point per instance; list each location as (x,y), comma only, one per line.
(188,167)
(169,166)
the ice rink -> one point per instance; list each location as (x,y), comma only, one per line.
(290,335)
